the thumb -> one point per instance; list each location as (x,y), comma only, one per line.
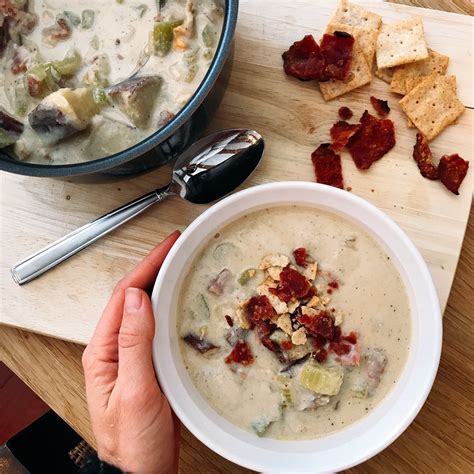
(135,339)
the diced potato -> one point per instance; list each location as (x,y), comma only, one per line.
(136,98)
(324,380)
(63,113)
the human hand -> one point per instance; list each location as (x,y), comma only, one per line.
(133,424)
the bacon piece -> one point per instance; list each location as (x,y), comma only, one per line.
(34,85)
(346,354)
(258,308)
(351,337)
(301,257)
(372,141)
(201,345)
(337,52)
(341,132)
(319,341)
(264,328)
(306,60)
(424,158)
(320,324)
(216,286)
(321,356)
(295,282)
(337,334)
(380,106)
(327,166)
(452,170)
(10,124)
(345,113)
(240,354)
(340,348)
(286,345)
(229,320)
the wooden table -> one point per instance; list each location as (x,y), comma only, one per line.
(438,440)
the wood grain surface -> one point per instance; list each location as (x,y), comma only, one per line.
(440,439)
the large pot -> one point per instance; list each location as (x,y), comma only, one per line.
(167,142)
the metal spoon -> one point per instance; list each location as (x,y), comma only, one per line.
(208,170)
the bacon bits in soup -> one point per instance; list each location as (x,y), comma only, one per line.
(293,323)
(66,93)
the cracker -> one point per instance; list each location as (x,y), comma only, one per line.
(410,124)
(355,15)
(384,74)
(360,75)
(433,105)
(408,76)
(366,37)
(401,43)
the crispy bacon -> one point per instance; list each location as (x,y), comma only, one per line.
(337,52)
(306,60)
(321,356)
(452,170)
(380,106)
(424,158)
(345,113)
(258,308)
(327,166)
(321,324)
(229,320)
(301,257)
(341,132)
(372,141)
(296,283)
(201,345)
(240,354)
(351,337)
(340,348)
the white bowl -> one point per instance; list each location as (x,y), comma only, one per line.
(359,441)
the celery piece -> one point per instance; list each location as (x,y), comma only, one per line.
(45,75)
(94,42)
(284,381)
(161,37)
(21,97)
(6,138)
(209,35)
(68,66)
(141,9)
(203,306)
(190,64)
(72,18)
(246,276)
(324,380)
(222,250)
(87,19)
(261,425)
(100,96)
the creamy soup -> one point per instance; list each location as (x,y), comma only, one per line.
(66,91)
(293,322)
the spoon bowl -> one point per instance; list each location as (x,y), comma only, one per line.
(208,170)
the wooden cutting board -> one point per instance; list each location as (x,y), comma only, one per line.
(293,118)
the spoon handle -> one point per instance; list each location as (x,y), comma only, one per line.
(55,253)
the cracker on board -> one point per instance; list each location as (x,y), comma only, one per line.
(384,74)
(408,76)
(401,43)
(366,37)
(355,15)
(359,76)
(433,105)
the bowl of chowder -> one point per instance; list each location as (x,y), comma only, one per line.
(96,86)
(298,328)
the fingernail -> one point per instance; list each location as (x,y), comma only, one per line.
(133,299)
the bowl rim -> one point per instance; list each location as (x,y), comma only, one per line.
(223,49)
(379,426)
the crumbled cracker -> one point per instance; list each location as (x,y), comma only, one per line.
(385,74)
(307,311)
(310,271)
(279,306)
(274,272)
(313,302)
(242,320)
(365,37)
(359,76)
(325,300)
(292,306)
(274,260)
(433,105)
(298,338)
(284,323)
(338,318)
(401,43)
(355,15)
(270,282)
(408,76)
(410,124)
